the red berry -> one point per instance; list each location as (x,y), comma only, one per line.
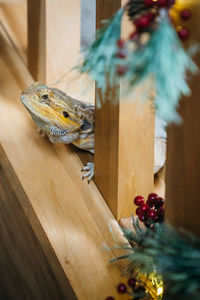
(160,202)
(144,22)
(121,54)
(137,23)
(150,16)
(162,3)
(152,198)
(186,14)
(121,43)
(132,282)
(142,218)
(144,208)
(139,200)
(149,2)
(152,214)
(183,33)
(160,212)
(110,298)
(149,203)
(121,70)
(121,288)
(138,211)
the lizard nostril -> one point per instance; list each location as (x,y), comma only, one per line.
(65,114)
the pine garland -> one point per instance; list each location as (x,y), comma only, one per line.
(162,58)
(175,255)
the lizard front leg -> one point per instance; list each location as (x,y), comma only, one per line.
(86,143)
(89,169)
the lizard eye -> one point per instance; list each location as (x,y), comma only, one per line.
(65,114)
(45,97)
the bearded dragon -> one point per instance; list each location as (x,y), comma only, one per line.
(67,120)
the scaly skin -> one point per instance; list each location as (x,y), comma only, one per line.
(62,118)
(66,120)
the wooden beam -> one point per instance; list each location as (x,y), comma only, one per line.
(183,148)
(72,214)
(53,38)
(25,268)
(54,42)
(37,39)
(13,17)
(124,142)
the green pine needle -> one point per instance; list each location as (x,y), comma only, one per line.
(100,58)
(174,255)
(163,58)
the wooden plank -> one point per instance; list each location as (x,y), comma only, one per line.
(54,39)
(124,142)
(62,36)
(37,39)
(183,148)
(13,15)
(25,270)
(73,215)
(54,42)
(10,55)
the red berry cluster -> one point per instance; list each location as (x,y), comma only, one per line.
(151,211)
(142,20)
(136,288)
(145,20)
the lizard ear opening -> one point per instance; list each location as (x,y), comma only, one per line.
(86,126)
(65,114)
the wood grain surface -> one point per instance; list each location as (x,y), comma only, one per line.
(54,43)
(37,44)
(183,159)
(73,215)
(124,141)
(13,16)
(25,272)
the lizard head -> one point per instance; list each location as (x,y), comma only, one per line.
(51,109)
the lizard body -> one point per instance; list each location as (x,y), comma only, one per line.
(66,120)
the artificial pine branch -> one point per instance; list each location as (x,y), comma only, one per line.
(175,255)
(164,59)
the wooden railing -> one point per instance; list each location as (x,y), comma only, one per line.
(183,159)
(71,214)
(124,138)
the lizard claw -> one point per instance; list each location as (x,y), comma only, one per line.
(90,171)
